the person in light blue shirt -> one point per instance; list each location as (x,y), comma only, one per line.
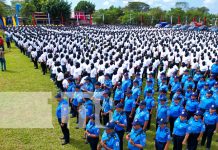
(110,139)
(163,84)
(179,94)
(107,107)
(129,108)
(162,111)
(204,90)
(197,77)
(195,131)
(215,96)
(206,101)
(142,114)
(148,87)
(192,105)
(200,84)
(174,111)
(77,101)
(126,83)
(215,87)
(184,77)
(88,104)
(137,137)
(179,130)
(119,118)
(62,116)
(163,94)
(87,87)
(92,132)
(150,104)
(211,124)
(187,94)
(151,79)
(136,91)
(139,79)
(188,83)
(162,137)
(175,86)
(214,69)
(98,93)
(107,83)
(211,81)
(118,94)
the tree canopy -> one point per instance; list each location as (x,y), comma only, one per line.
(137,6)
(85,6)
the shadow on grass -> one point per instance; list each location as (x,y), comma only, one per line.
(11,71)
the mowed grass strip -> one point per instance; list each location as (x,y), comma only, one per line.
(22,77)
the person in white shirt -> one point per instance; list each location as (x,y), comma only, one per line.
(60,78)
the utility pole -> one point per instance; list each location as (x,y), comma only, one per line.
(103,18)
(130,18)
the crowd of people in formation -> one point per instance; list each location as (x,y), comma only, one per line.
(113,62)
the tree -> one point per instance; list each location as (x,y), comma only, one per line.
(175,13)
(85,6)
(137,7)
(58,9)
(39,4)
(157,14)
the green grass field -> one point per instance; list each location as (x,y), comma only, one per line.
(21,76)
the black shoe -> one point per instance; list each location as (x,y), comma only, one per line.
(65,143)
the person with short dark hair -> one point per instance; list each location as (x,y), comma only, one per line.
(2,59)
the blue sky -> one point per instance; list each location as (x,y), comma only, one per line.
(164,4)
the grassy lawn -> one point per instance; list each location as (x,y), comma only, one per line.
(21,76)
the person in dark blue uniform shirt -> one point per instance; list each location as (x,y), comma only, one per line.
(119,117)
(174,111)
(179,130)
(137,137)
(129,108)
(162,137)
(211,124)
(150,104)
(62,115)
(92,132)
(195,131)
(110,139)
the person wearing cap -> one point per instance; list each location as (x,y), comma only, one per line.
(206,101)
(214,69)
(179,130)
(178,94)
(92,133)
(126,83)
(204,90)
(195,131)
(98,93)
(162,136)
(109,139)
(77,100)
(174,111)
(184,77)
(88,104)
(106,107)
(62,116)
(162,111)
(211,81)
(191,105)
(188,83)
(142,114)
(136,91)
(215,96)
(107,83)
(215,87)
(137,137)
(211,124)
(148,86)
(87,86)
(118,94)
(162,94)
(129,108)
(151,79)
(200,84)
(150,104)
(139,79)
(163,85)
(197,76)
(119,117)
(175,86)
